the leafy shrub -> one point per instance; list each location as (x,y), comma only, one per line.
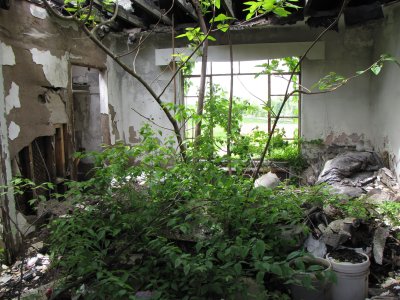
(192,232)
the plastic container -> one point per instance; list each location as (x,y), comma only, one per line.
(352,279)
(321,288)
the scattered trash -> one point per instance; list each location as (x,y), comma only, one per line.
(29,274)
(315,247)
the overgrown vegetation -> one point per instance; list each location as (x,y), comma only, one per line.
(178,225)
(181,230)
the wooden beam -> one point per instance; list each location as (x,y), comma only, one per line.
(130,18)
(152,10)
(228,6)
(188,8)
(124,15)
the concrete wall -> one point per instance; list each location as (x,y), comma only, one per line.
(43,51)
(343,116)
(130,104)
(385,90)
(35,87)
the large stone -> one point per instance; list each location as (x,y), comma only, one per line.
(24,226)
(269,180)
(379,196)
(349,191)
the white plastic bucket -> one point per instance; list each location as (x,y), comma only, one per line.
(352,279)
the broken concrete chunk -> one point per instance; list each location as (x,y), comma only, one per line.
(336,233)
(379,196)
(309,176)
(379,241)
(25,227)
(269,180)
(348,191)
(387,178)
(5,278)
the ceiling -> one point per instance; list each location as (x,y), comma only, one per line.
(146,14)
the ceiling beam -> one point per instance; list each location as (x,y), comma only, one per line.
(188,8)
(130,18)
(125,16)
(228,6)
(152,10)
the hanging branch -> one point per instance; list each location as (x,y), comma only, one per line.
(287,94)
(229,127)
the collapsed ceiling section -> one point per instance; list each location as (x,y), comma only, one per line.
(148,14)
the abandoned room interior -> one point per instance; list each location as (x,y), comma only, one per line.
(200,149)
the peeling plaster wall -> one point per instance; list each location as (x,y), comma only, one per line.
(341,117)
(385,90)
(43,49)
(126,93)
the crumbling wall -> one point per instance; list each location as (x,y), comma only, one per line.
(43,51)
(385,90)
(35,89)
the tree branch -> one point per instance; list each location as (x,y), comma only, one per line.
(287,94)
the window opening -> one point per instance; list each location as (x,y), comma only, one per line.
(263,93)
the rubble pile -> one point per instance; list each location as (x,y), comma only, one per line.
(25,275)
(361,175)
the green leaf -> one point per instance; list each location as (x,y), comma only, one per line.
(376,69)
(280,11)
(223,27)
(260,277)
(211,38)
(238,268)
(181,36)
(177,262)
(293,255)
(276,269)
(259,249)
(186,269)
(268,5)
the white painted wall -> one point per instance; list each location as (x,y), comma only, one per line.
(385,90)
(126,93)
(343,116)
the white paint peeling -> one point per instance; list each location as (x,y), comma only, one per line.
(12,100)
(55,69)
(36,34)
(73,56)
(38,12)
(7,57)
(13,130)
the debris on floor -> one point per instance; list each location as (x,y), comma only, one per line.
(25,276)
(361,175)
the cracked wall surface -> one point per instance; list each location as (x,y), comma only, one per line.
(37,85)
(35,90)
